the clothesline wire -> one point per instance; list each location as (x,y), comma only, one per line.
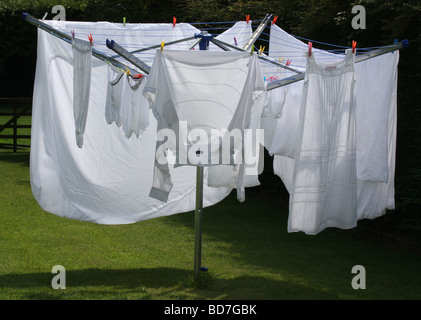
(295,46)
(222,22)
(265,40)
(226,28)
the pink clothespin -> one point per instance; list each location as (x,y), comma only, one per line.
(354,45)
(174,20)
(91,40)
(235,41)
(274,19)
(248,18)
(310,45)
(73,33)
(288,62)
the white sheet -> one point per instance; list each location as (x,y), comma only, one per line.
(109,179)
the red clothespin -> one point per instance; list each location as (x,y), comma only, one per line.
(91,40)
(248,18)
(310,45)
(274,19)
(288,62)
(73,33)
(354,45)
(174,20)
(138,76)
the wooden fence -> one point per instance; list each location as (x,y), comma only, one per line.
(11,110)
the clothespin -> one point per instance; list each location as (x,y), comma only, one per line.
(174,20)
(127,71)
(395,41)
(235,40)
(138,76)
(73,33)
(354,45)
(261,50)
(280,60)
(248,18)
(274,20)
(162,46)
(91,40)
(252,49)
(310,45)
(288,62)
(124,21)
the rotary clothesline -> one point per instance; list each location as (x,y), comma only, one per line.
(200,39)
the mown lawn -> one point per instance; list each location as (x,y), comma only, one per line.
(246,247)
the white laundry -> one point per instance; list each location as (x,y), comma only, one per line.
(375,123)
(115,93)
(203,90)
(282,120)
(376,88)
(82,56)
(107,181)
(324,190)
(135,108)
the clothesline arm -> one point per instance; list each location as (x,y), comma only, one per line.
(224,46)
(362,57)
(128,56)
(67,38)
(256,34)
(157,46)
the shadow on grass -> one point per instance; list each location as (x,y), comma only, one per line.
(151,284)
(21,158)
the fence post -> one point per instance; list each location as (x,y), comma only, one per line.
(15,128)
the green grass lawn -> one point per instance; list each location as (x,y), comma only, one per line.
(246,247)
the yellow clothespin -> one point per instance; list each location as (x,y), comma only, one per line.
(261,50)
(127,71)
(162,46)
(280,60)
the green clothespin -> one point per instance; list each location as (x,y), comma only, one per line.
(252,49)
(124,21)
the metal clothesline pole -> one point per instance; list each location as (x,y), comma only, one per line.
(203,41)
